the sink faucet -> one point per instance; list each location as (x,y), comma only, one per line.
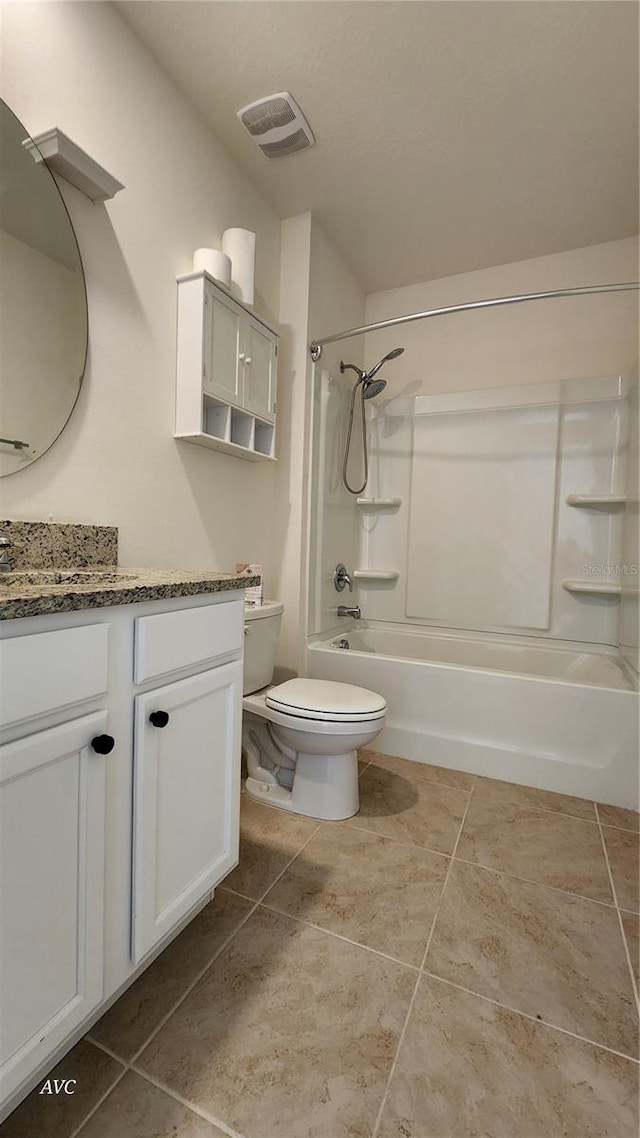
(6,562)
(344,610)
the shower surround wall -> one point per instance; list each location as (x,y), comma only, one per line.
(485,537)
(489,422)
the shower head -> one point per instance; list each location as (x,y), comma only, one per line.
(366,376)
(389,356)
(373,387)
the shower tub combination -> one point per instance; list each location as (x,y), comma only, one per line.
(556,718)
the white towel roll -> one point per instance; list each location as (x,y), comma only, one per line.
(213,262)
(240,246)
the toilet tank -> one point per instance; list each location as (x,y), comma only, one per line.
(261,628)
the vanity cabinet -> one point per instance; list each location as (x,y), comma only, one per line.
(226,372)
(52,809)
(120,735)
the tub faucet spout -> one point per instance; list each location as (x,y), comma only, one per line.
(344,610)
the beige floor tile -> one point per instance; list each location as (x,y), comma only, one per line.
(623,851)
(555,849)
(129,1023)
(269,838)
(57,1116)
(379,892)
(497,791)
(405,805)
(411,770)
(291,1032)
(469,1069)
(136,1109)
(549,954)
(631,925)
(618,816)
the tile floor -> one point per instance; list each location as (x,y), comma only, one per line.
(457,961)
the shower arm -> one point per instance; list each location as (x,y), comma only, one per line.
(316,346)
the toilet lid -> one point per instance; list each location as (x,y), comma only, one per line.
(324,699)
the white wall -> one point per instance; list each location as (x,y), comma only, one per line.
(293,390)
(629,626)
(336,300)
(317,291)
(79,66)
(523,343)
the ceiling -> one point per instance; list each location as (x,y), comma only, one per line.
(450,136)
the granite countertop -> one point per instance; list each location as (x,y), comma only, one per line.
(34,592)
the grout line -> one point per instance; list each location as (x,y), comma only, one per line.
(339,936)
(389,838)
(533,881)
(100,1101)
(107,1050)
(187,1104)
(534,1019)
(612,825)
(417,984)
(625,946)
(128,1065)
(220,950)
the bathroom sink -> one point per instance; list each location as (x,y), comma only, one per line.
(33,577)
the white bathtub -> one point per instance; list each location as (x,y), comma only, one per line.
(556,718)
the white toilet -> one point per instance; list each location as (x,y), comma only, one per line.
(300,738)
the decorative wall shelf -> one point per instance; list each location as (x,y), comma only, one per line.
(597,501)
(64,157)
(379,503)
(376,574)
(598,587)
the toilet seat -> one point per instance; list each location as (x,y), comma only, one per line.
(325,701)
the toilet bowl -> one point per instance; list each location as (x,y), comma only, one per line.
(300,738)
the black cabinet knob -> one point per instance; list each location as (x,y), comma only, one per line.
(159,718)
(103,744)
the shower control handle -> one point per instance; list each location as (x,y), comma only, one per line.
(342,578)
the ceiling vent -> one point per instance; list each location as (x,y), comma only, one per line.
(277,125)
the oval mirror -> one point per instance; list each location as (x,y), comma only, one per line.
(43,304)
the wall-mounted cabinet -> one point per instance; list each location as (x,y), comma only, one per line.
(226,372)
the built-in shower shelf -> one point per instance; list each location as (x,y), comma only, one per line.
(596,587)
(379,503)
(597,501)
(376,574)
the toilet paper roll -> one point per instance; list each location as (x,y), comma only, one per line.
(213,262)
(240,246)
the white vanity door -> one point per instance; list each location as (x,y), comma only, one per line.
(52,798)
(186,797)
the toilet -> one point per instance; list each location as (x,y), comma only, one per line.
(300,738)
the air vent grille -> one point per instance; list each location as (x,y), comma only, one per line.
(295,142)
(277,125)
(268,116)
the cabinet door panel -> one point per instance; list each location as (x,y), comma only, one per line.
(51,890)
(260,371)
(223,366)
(186,798)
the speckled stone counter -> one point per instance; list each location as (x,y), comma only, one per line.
(118,586)
(62,567)
(59,545)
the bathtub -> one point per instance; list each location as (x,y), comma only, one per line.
(553,717)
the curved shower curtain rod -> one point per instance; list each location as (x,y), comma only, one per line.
(316,346)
